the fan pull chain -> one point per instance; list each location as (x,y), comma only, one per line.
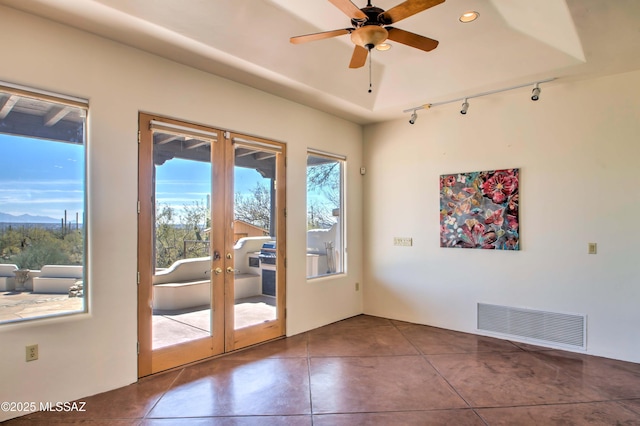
(370,85)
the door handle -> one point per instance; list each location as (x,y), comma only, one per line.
(229,270)
(217,271)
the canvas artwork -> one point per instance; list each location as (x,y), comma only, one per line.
(480,210)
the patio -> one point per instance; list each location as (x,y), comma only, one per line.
(16,305)
(183,325)
(169,327)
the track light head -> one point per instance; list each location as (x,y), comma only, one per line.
(535,93)
(465,107)
(414,117)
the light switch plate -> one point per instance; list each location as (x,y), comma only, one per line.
(403,241)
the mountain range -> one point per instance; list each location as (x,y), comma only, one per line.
(26,218)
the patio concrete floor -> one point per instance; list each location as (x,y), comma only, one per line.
(16,305)
(179,326)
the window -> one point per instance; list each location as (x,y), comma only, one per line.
(325,214)
(42,204)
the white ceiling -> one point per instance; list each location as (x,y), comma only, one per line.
(513,42)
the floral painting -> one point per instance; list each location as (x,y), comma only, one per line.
(480,210)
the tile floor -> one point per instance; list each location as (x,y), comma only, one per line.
(374,371)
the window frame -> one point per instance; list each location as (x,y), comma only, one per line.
(341,237)
(73,105)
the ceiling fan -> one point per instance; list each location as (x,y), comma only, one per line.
(371,27)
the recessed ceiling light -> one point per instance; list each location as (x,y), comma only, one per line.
(383,46)
(469,16)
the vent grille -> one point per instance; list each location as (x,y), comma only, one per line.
(545,327)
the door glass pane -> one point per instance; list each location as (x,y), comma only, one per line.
(254,236)
(182,234)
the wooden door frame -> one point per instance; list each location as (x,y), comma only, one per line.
(224,336)
(150,361)
(237,339)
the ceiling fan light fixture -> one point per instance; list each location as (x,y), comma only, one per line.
(383,46)
(369,36)
(470,16)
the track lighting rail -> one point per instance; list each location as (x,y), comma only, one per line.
(465,106)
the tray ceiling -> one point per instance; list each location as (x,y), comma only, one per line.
(513,42)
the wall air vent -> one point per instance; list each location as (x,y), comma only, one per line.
(550,328)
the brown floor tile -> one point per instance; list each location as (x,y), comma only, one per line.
(433,340)
(355,341)
(400,323)
(225,387)
(531,348)
(370,384)
(611,378)
(631,404)
(593,413)
(129,402)
(233,421)
(412,418)
(360,321)
(494,379)
(292,347)
(370,371)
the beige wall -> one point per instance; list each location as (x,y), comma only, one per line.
(86,354)
(577,149)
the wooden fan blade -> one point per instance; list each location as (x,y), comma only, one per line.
(318,36)
(359,57)
(411,39)
(349,9)
(408,8)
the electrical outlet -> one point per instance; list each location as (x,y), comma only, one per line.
(593,248)
(32,352)
(403,241)
(357,286)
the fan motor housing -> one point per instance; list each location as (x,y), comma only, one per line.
(374,17)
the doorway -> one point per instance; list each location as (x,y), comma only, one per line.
(211,242)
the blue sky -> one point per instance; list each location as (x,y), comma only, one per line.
(180,182)
(42,178)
